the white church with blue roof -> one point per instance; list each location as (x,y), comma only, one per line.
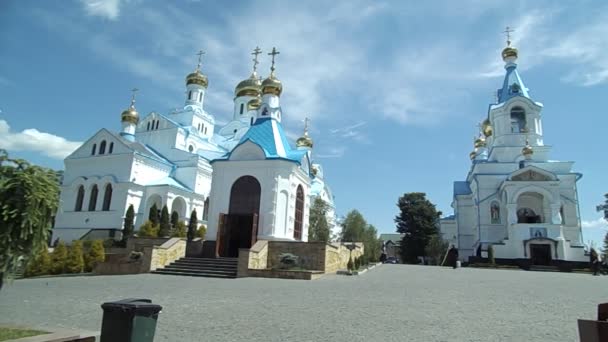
(514,198)
(246,180)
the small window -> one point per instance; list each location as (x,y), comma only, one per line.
(190,148)
(157,122)
(111,148)
(234,130)
(79,199)
(93,149)
(107,198)
(205,130)
(102,147)
(242,108)
(189,95)
(148,128)
(518,120)
(200,97)
(251,121)
(93,198)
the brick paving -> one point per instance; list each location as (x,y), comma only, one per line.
(389,303)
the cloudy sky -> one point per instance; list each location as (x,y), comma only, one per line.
(394,89)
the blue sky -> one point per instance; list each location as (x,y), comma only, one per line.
(394,89)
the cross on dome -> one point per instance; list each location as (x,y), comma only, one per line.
(273,54)
(133,91)
(200,58)
(507,32)
(255,53)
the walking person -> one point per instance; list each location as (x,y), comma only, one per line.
(594,260)
(452,257)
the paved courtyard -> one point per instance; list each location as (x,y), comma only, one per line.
(389,303)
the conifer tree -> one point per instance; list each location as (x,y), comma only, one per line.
(39,264)
(153,215)
(418,221)
(165,223)
(128,226)
(59,258)
(75,261)
(174,220)
(95,255)
(192,225)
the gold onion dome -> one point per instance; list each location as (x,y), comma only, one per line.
(272,85)
(304,141)
(248,87)
(480,142)
(254,103)
(527,150)
(487,128)
(197,77)
(509,52)
(130,115)
(472,155)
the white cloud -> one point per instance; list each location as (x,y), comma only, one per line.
(594,224)
(32,139)
(108,9)
(332,152)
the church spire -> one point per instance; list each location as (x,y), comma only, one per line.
(305,141)
(272,85)
(196,84)
(512,84)
(129,119)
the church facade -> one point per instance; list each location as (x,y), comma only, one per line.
(515,198)
(183,161)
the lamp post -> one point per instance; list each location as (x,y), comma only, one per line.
(350,248)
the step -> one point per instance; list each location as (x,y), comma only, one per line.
(192,274)
(542,268)
(198,270)
(203,260)
(206,262)
(199,267)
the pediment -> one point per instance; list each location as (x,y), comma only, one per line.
(247,151)
(532,174)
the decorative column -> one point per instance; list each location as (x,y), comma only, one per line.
(511,213)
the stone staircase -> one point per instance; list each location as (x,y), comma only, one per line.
(542,268)
(201,267)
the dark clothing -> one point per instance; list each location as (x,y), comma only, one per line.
(595,262)
(452,257)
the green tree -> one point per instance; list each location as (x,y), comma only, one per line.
(202,230)
(148,229)
(153,215)
(192,225)
(436,248)
(605,247)
(491,255)
(350,265)
(372,245)
(353,227)
(174,220)
(128,226)
(95,255)
(418,220)
(357,263)
(59,258)
(75,260)
(29,197)
(318,228)
(165,223)
(39,264)
(179,230)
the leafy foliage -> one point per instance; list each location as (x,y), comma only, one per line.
(128,226)
(605,247)
(318,227)
(417,219)
(356,229)
(288,260)
(39,264)
(95,255)
(192,225)
(350,265)
(165,223)
(29,197)
(436,248)
(174,219)
(59,258)
(202,230)
(75,261)
(179,230)
(357,262)
(153,215)
(148,229)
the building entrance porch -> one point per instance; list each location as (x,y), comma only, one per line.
(540,254)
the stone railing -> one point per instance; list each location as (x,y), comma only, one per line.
(163,255)
(254,258)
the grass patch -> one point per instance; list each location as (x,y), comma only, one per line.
(13,333)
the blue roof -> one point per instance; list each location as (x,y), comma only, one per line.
(513,85)
(270,136)
(462,188)
(170,181)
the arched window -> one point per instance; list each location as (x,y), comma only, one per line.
(299,215)
(189,95)
(495,213)
(190,148)
(111,148)
(251,121)
(242,108)
(148,127)
(102,147)
(93,149)
(202,127)
(518,120)
(93,198)
(157,122)
(79,199)
(107,198)
(206,210)
(200,97)
(205,130)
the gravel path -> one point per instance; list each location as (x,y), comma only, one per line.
(389,303)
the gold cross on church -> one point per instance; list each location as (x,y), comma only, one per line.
(255,53)
(306,121)
(273,53)
(507,32)
(133,91)
(200,58)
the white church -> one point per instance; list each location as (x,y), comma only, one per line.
(514,197)
(246,178)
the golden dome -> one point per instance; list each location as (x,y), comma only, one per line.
(130,115)
(254,103)
(248,87)
(509,52)
(487,128)
(272,85)
(472,155)
(527,150)
(304,141)
(480,142)
(197,77)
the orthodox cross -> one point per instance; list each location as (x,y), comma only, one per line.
(306,121)
(133,91)
(507,32)
(200,58)
(273,53)
(255,53)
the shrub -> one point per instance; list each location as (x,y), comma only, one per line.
(59,258)
(364,260)
(202,230)
(357,262)
(95,255)
(75,261)
(148,229)
(350,264)
(179,230)
(165,223)
(39,264)
(288,260)
(491,255)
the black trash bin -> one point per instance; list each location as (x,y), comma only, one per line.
(129,320)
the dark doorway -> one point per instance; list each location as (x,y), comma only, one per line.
(238,228)
(540,254)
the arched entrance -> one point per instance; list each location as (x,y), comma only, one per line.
(179,206)
(238,228)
